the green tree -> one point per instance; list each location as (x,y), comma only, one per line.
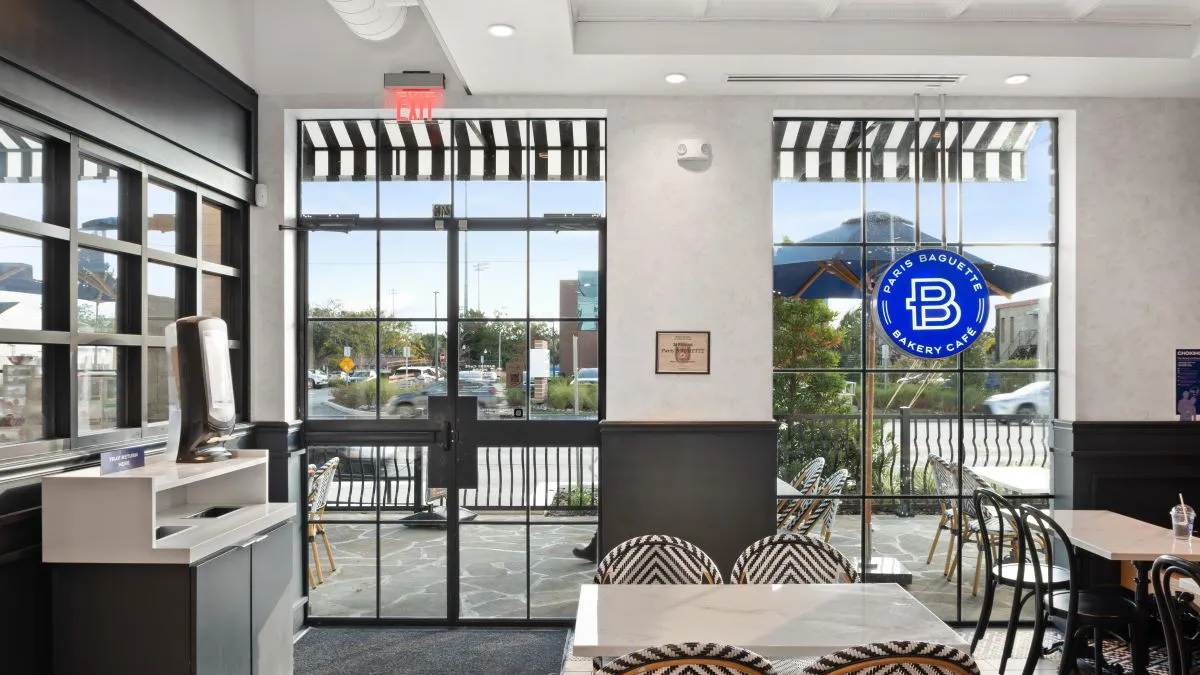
(328,339)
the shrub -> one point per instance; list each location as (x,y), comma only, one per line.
(560,395)
(361,395)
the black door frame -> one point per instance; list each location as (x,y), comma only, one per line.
(464,433)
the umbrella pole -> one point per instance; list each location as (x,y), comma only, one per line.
(868,448)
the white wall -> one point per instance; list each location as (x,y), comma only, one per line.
(223,29)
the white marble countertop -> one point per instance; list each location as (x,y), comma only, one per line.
(777,621)
(1116,537)
(1018,480)
(165,473)
(785,489)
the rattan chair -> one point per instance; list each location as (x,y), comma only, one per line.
(805,482)
(657,559)
(791,558)
(904,658)
(690,658)
(1173,602)
(821,513)
(946,484)
(318,495)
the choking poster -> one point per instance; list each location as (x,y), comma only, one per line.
(1187,383)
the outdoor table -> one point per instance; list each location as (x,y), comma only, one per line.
(785,489)
(1116,537)
(1016,480)
(776,621)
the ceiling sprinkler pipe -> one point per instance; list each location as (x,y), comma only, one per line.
(371,19)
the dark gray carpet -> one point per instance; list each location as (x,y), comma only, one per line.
(431,651)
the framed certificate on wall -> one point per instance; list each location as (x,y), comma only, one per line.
(682,352)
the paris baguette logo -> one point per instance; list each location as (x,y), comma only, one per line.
(932,303)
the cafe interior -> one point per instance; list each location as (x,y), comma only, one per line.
(663,337)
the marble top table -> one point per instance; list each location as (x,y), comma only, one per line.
(777,621)
(1116,537)
(1016,480)
(785,489)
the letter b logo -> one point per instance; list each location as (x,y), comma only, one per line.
(932,305)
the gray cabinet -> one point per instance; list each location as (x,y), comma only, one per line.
(229,614)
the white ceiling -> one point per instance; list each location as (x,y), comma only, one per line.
(1168,12)
(582,47)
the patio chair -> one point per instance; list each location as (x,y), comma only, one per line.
(821,513)
(946,484)
(690,658)
(1173,604)
(791,558)
(805,482)
(970,529)
(909,658)
(318,495)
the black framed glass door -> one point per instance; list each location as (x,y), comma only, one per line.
(453,370)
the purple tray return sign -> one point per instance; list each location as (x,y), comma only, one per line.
(122,460)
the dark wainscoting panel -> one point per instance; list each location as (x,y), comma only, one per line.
(1137,469)
(711,483)
(108,54)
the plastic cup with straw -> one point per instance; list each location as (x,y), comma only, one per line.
(1182,519)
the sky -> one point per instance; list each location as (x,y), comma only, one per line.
(497,267)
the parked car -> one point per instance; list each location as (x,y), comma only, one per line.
(413,374)
(360,375)
(415,403)
(1023,405)
(587,376)
(317,379)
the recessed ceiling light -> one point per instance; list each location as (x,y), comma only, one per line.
(676,78)
(501,30)
(1016,79)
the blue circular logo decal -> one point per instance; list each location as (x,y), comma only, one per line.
(932,303)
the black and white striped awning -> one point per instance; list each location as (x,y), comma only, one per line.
(22,159)
(833,150)
(338,150)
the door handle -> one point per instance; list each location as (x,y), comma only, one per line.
(447,436)
(253,541)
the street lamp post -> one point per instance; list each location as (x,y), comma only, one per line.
(437,355)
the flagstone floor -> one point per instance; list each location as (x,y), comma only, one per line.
(410,579)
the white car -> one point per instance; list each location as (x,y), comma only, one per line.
(317,379)
(1024,404)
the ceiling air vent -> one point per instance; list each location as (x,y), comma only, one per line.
(846,79)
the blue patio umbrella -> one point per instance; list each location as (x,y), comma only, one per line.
(836,270)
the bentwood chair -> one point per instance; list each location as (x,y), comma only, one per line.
(791,558)
(690,658)
(1102,610)
(805,482)
(1004,530)
(946,485)
(971,527)
(1173,603)
(820,514)
(906,658)
(318,496)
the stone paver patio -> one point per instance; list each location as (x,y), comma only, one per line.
(412,570)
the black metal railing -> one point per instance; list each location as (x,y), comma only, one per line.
(903,442)
(392,478)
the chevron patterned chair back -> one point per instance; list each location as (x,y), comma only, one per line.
(819,517)
(791,558)
(657,559)
(896,658)
(805,482)
(690,658)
